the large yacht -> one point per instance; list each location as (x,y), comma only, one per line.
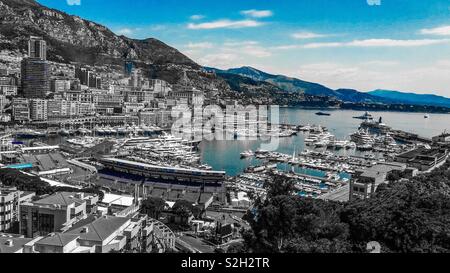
(362,137)
(366,116)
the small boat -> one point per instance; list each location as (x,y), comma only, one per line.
(305,128)
(350,145)
(53,132)
(64,132)
(366,116)
(100,130)
(122,131)
(427,116)
(339,144)
(83,131)
(247,154)
(28,133)
(364,147)
(320,144)
(323,114)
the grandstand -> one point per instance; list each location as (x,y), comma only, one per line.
(45,162)
(174,193)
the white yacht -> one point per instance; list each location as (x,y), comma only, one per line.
(362,137)
(100,130)
(321,143)
(247,154)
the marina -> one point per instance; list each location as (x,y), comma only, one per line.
(221,155)
(316,153)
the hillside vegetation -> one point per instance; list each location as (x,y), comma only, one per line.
(404,217)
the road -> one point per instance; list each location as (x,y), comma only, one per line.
(340,195)
(197,244)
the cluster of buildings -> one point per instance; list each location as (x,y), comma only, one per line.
(47,95)
(77,222)
(364,183)
(39,94)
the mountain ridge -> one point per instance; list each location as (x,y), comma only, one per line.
(410,97)
(291,84)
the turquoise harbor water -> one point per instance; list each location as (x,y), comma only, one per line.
(225,155)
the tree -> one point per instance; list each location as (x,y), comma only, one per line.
(279,185)
(393,177)
(153,206)
(182,208)
(285,222)
(405,216)
(24,182)
(197,211)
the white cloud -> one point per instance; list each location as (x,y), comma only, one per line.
(157,27)
(307,35)
(73,2)
(440,31)
(379,43)
(380,63)
(220,60)
(443,63)
(225,24)
(286,47)
(124,31)
(321,45)
(240,43)
(334,75)
(249,48)
(231,53)
(421,79)
(365,43)
(201,45)
(257,13)
(196,17)
(255,51)
(395,43)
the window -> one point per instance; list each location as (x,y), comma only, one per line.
(46,223)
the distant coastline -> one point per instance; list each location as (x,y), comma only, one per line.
(378,108)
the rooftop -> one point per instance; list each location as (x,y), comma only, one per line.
(13,244)
(100,229)
(121,200)
(57,239)
(411,154)
(60,198)
(422,152)
(381,169)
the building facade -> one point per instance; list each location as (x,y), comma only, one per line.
(38,110)
(35,78)
(21,110)
(37,48)
(9,207)
(365,183)
(52,214)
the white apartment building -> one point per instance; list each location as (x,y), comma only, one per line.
(38,110)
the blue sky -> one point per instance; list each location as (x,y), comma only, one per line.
(399,44)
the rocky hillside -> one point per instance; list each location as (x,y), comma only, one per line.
(73,39)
